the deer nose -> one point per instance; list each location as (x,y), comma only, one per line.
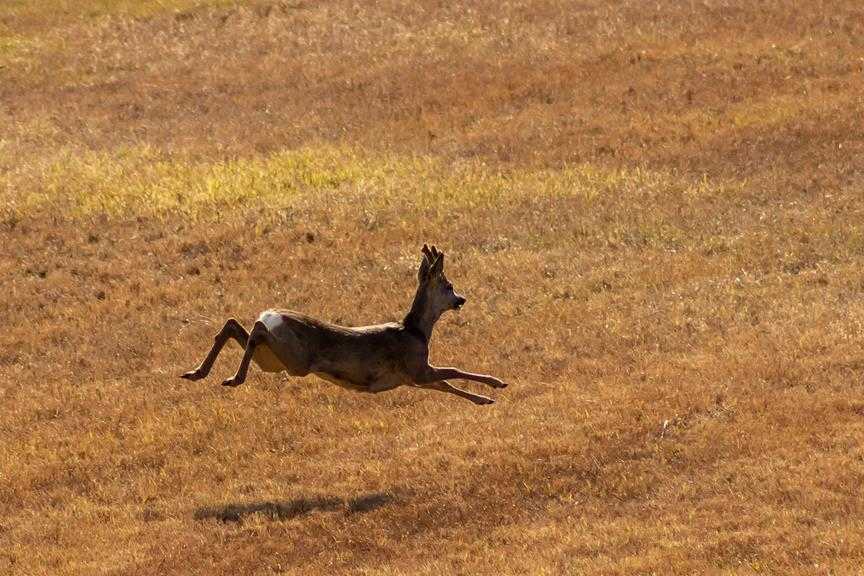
(460,301)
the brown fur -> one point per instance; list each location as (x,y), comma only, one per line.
(365,359)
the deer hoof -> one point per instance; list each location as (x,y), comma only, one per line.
(483,400)
(192,375)
(232,382)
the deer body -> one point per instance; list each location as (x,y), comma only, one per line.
(364,359)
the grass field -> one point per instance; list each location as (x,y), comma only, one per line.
(656,211)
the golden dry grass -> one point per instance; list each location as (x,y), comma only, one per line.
(655,211)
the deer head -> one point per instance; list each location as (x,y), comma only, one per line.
(435,294)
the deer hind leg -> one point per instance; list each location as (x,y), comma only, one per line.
(232,329)
(272,354)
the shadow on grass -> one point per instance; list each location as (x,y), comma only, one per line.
(288,509)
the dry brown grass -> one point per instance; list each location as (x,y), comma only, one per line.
(655,211)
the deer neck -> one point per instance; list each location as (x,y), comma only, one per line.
(422,317)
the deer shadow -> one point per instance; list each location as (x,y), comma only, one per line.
(288,509)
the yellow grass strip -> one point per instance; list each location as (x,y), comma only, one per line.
(146,181)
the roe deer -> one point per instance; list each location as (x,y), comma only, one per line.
(365,359)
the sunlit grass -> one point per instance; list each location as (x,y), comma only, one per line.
(94,8)
(145,181)
(15,50)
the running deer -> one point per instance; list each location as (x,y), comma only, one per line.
(364,359)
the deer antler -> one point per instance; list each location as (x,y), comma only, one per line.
(432,259)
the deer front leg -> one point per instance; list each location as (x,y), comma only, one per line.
(454,373)
(231,329)
(444,386)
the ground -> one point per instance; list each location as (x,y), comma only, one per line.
(654,209)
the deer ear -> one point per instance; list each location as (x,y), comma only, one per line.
(425,263)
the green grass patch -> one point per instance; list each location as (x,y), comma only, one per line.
(14,49)
(76,9)
(145,181)
(633,207)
